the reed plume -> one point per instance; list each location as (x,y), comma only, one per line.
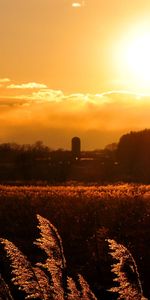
(55,263)
(127,276)
(86,293)
(23,273)
(46,280)
(73,292)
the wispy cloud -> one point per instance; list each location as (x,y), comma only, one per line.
(78,4)
(4,80)
(44,95)
(29,85)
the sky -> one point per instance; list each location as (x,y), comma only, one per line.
(74,68)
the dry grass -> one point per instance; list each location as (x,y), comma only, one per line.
(46,280)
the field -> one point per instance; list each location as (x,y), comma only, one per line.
(85,218)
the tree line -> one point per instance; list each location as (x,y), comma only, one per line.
(129,161)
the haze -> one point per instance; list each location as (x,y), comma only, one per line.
(73,68)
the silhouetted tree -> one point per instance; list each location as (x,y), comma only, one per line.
(133,154)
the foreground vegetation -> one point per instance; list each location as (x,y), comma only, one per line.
(86,217)
(48,279)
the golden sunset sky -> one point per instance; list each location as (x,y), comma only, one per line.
(72,68)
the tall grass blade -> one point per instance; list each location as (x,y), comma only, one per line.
(127,276)
(86,293)
(73,292)
(5,293)
(22,271)
(44,283)
(55,263)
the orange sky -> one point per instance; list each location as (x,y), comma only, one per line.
(58,62)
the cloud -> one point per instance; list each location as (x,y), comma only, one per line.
(78,4)
(54,117)
(29,85)
(4,80)
(50,95)
(44,95)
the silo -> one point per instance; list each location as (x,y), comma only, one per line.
(76,147)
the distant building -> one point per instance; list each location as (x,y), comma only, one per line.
(76,147)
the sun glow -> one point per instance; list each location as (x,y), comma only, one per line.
(134,59)
(138,57)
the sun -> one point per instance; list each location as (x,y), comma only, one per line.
(138,57)
(133,59)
